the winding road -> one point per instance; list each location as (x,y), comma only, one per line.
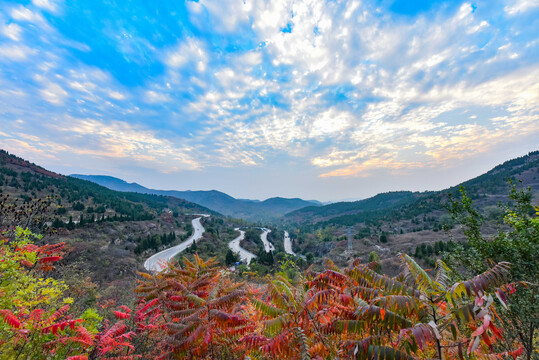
(288,244)
(264,237)
(156,262)
(234,245)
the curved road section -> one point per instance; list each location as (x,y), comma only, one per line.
(156,262)
(264,237)
(288,244)
(234,245)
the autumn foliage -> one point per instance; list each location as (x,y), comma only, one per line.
(197,311)
(335,314)
(37,322)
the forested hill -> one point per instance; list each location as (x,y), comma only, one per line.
(486,189)
(216,200)
(74,197)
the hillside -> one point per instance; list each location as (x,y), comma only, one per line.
(487,189)
(218,201)
(410,222)
(109,232)
(26,180)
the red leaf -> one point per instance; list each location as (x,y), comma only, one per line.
(49,259)
(495,330)
(149,305)
(121,315)
(126,309)
(26,263)
(10,319)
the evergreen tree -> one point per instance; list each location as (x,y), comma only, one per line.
(70,225)
(231,258)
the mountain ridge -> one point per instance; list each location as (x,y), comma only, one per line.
(221,202)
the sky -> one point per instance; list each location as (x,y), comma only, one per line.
(324,100)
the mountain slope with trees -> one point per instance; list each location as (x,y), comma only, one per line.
(487,190)
(108,232)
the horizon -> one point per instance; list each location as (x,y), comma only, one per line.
(314,100)
(277,196)
(320,201)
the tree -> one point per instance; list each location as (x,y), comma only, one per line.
(290,321)
(70,224)
(231,258)
(418,252)
(375,259)
(78,206)
(265,258)
(519,245)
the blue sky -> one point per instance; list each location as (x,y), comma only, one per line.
(315,99)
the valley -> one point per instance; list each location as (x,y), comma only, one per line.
(387,224)
(115,238)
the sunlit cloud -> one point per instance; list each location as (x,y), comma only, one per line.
(54,94)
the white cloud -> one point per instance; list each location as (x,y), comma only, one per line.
(345,88)
(388,131)
(12,31)
(190,51)
(49,5)
(417,72)
(16,52)
(22,13)
(226,16)
(91,139)
(117,95)
(331,122)
(521,6)
(118,139)
(156,97)
(86,86)
(54,93)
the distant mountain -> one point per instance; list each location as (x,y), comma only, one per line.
(486,190)
(253,210)
(377,202)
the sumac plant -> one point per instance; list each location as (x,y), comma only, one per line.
(203,312)
(356,313)
(36,321)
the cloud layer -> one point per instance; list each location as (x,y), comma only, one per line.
(333,89)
